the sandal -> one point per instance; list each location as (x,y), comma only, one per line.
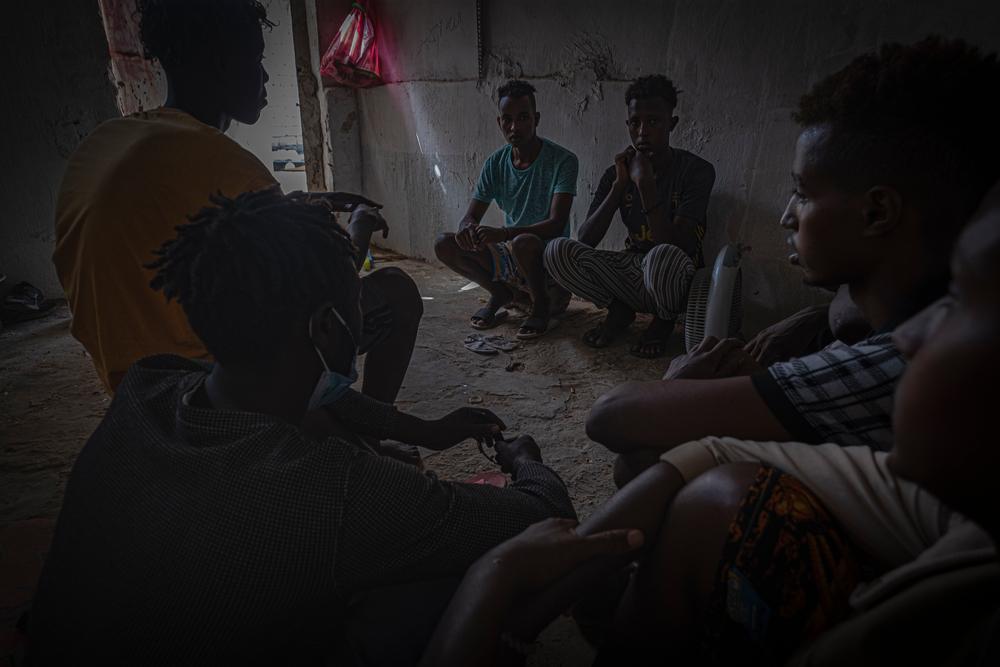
(484,318)
(25,302)
(533,327)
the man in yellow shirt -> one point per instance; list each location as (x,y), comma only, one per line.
(135,179)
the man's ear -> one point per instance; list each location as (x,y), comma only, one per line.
(673,122)
(883,208)
(321,325)
(538,117)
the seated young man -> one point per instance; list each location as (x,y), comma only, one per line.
(787,579)
(201,525)
(661,195)
(135,179)
(533,181)
(868,212)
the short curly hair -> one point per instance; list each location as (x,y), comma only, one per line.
(922,118)
(654,85)
(170,30)
(517,88)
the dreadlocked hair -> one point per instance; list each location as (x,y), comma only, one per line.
(921,118)
(654,85)
(245,270)
(171,29)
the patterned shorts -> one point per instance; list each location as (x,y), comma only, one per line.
(786,574)
(505,266)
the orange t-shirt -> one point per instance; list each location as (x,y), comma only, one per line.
(126,188)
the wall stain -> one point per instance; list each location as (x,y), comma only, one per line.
(349,122)
(437,31)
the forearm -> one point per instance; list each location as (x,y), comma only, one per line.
(468,632)
(641,505)
(596,226)
(662,414)
(363,415)
(412,430)
(361,236)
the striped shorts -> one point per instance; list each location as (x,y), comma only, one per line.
(655,283)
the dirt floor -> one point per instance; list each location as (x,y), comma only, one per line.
(51,400)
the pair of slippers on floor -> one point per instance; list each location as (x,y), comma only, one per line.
(532,327)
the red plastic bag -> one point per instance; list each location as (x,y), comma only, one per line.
(352,57)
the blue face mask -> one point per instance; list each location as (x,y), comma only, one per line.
(331,384)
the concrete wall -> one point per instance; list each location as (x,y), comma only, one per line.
(56,90)
(741,64)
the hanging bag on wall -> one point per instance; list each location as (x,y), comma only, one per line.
(352,57)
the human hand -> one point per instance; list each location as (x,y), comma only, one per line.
(340,202)
(622,166)
(713,359)
(488,235)
(479,424)
(509,452)
(370,220)
(791,337)
(466,238)
(641,169)
(549,549)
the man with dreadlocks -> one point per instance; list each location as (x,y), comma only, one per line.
(134,179)
(201,525)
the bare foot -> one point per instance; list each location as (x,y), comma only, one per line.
(618,319)
(653,341)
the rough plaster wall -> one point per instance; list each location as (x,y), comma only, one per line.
(56,90)
(742,66)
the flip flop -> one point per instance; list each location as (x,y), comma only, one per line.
(535,326)
(500,343)
(476,343)
(25,302)
(482,319)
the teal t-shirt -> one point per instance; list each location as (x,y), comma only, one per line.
(525,195)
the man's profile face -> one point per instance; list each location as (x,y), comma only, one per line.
(649,123)
(244,76)
(945,431)
(518,120)
(826,222)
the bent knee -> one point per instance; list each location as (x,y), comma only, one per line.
(527,244)
(717,492)
(400,292)
(444,245)
(560,252)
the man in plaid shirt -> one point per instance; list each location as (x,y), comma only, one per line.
(883,186)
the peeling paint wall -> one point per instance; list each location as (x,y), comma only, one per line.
(741,64)
(56,90)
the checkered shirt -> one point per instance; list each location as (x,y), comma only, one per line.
(198,536)
(842,394)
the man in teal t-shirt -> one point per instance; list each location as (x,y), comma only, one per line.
(533,181)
